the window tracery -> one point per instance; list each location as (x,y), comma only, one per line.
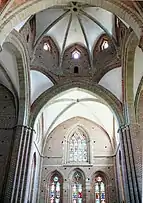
(99,189)
(78,149)
(56,188)
(77,187)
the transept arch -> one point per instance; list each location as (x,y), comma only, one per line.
(112,101)
(128,53)
(16,45)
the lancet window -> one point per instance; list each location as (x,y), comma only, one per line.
(99,189)
(56,184)
(77,187)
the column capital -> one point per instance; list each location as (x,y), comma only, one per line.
(128,125)
(121,127)
(25,127)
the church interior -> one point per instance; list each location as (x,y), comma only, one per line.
(71,101)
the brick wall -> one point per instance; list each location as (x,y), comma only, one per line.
(7,123)
(101,159)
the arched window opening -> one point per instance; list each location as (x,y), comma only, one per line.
(56,185)
(77,187)
(104,45)
(76,69)
(46,47)
(27,38)
(76,54)
(78,149)
(99,189)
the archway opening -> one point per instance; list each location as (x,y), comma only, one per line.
(76,128)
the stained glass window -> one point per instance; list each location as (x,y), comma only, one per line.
(55,189)
(77,188)
(99,190)
(78,148)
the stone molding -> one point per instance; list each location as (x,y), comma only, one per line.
(112,101)
(23,63)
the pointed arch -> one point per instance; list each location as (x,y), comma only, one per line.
(52,50)
(111,100)
(55,187)
(98,45)
(15,43)
(77,186)
(99,186)
(78,148)
(76,57)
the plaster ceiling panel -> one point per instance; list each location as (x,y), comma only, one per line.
(75,103)
(45,18)
(113,82)
(39,83)
(92,31)
(106,18)
(74,23)
(75,94)
(58,32)
(52,112)
(75,34)
(138,69)
(8,61)
(93,111)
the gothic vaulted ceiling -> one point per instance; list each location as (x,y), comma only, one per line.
(74,23)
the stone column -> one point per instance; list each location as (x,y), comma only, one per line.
(26,165)
(15,180)
(125,164)
(21,166)
(135,157)
(129,171)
